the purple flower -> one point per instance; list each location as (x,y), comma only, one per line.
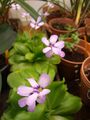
(34,94)
(36,24)
(53,47)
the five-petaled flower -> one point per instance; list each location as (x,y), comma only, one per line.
(34,94)
(53,47)
(36,24)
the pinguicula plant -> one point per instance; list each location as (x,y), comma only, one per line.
(34,95)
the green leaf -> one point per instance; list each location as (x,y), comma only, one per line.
(16,58)
(56,96)
(52,69)
(29,56)
(0,81)
(60,102)
(54,59)
(7,37)
(20,66)
(59,118)
(28,8)
(21,48)
(70,105)
(19,77)
(36,44)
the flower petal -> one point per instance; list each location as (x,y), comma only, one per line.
(41,24)
(55,50)
(32,20)
(37,27)
(31,102)
(59,44)
(53,39)
(45,41)
(47,49)
(22,102)
(38,19)
(31,108)
(49,54)
(41,99)
(33,83)
(32,25)
(44,92)
(61,53)
(44,80)
(24,90)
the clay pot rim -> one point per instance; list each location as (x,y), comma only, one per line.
(63,21)
(86,81)
(75,63)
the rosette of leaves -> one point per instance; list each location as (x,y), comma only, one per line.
(70,39)
(27,53)
(59,105)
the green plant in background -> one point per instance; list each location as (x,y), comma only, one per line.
(70,39)
(78,9)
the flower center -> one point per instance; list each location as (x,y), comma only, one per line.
(40,89)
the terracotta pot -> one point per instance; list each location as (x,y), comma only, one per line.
(87,26)
(81,31)
(87,21)
(85,45)
(85,83)
(63,21)
(70,70)
(55,12)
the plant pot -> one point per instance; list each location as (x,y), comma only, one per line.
(85,45)
(56,12)
(70,70)
(85,83)
(87,26)
(81,31)
(59,21)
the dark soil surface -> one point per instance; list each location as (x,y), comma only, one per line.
(74,55)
